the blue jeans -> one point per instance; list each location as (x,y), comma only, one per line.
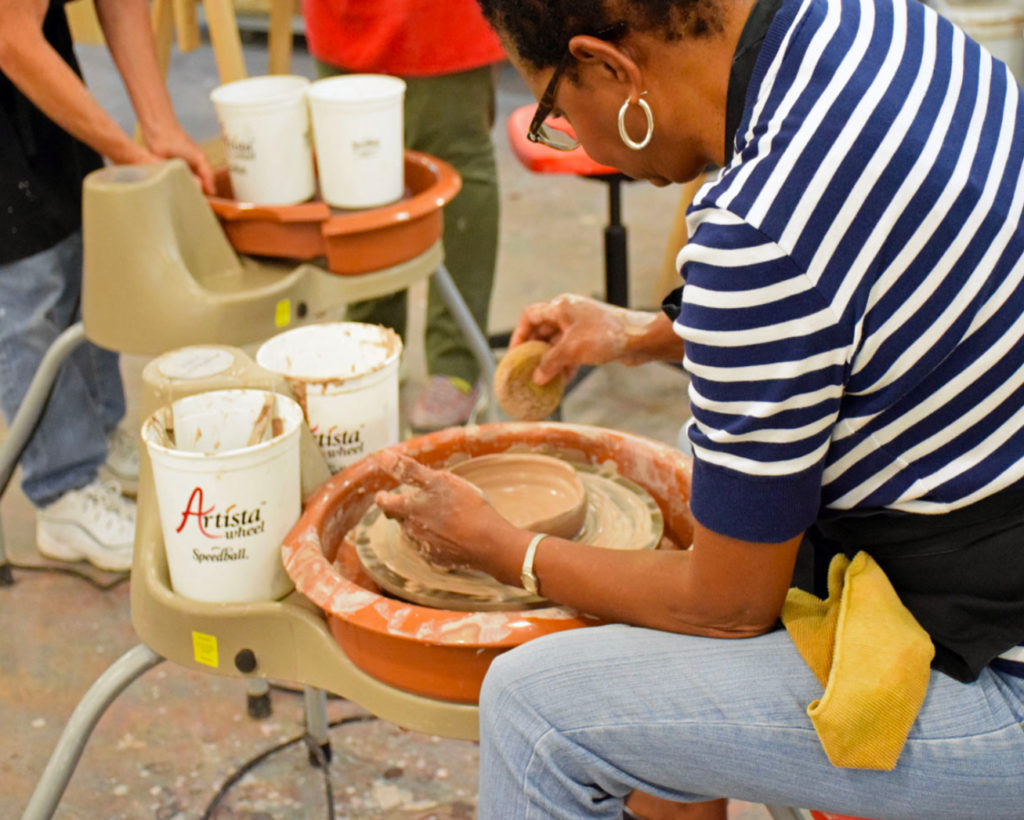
(40,297)
(572,722)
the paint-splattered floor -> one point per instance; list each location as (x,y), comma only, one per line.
(171,740)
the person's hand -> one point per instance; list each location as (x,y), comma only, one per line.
(581,331)
(448,518)
(174,142)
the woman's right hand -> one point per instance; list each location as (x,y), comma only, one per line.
(581,331)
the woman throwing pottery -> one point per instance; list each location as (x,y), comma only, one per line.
(851,315)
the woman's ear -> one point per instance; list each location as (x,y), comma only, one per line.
(610,61)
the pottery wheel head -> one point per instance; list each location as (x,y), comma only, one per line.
(611,512)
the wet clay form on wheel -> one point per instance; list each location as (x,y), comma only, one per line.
(517,393)
(540,493)
(445,653)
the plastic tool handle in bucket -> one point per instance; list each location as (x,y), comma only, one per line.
(345,377)
(358,131)
(265,125)
(226,473)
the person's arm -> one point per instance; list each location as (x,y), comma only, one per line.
(129,35)
(721,587)
(583,331)
(33,65)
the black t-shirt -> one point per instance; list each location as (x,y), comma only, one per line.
(961,574)
(41,165)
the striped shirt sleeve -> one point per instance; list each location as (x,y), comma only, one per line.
(767,358)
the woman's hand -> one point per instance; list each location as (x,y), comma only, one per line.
(449,518)
(583,331)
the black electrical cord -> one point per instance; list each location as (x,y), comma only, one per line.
(314,750)
(74,573)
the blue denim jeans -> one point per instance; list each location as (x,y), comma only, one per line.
(40,297)
(572,722)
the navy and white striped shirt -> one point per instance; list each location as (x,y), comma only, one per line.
(853,311)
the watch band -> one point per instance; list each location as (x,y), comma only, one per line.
(526,575)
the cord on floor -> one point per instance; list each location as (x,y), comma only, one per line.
(315,753)
(74,573)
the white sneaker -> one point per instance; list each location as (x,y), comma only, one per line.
(94,523)
(122,463)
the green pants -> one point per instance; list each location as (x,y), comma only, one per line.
(451,117)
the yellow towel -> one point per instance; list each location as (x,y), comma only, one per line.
(871,656)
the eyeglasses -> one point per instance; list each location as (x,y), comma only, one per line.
(547,134)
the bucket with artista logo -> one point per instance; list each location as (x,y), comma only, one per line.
(226,473)
(345,376)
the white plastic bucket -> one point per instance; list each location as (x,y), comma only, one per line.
(265,125)
(225,504)
(998,25)
(357,128)
(345,376)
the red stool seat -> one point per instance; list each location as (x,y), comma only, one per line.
(542,159)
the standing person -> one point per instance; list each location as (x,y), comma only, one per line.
(446,54)
(850,320)
(53,133)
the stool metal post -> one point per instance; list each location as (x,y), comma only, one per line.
(616,262)
(478,343)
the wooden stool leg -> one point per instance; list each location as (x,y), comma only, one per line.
(186,25)
(227,44)
(279,39)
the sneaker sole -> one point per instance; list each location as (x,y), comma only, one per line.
(59,550)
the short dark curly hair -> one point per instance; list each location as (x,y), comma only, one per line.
(540,30)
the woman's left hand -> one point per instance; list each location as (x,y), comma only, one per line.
(448,517)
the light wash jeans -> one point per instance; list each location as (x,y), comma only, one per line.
(40,297)
(572,722)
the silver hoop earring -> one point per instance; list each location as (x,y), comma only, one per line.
(626,138)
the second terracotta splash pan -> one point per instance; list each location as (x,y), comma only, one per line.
(352,242)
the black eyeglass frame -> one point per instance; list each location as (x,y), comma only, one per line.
(552,137)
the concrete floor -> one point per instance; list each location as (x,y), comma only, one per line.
(166,745)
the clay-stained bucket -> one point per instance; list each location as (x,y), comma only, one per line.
(226,473)
(345,376)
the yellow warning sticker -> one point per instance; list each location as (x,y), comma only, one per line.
(283,313)
(204,648)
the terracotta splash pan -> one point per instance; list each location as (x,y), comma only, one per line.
(352,242)
(445,653)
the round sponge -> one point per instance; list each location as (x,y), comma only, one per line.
(515,389)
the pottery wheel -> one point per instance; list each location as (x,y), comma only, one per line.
(620,515)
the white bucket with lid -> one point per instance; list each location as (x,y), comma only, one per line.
(265,125)
(345,376)
(226,473)
(358,131)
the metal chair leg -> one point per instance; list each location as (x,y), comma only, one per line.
(27,418)
(61,765)
(31,408)
(478,343)
(315,701)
